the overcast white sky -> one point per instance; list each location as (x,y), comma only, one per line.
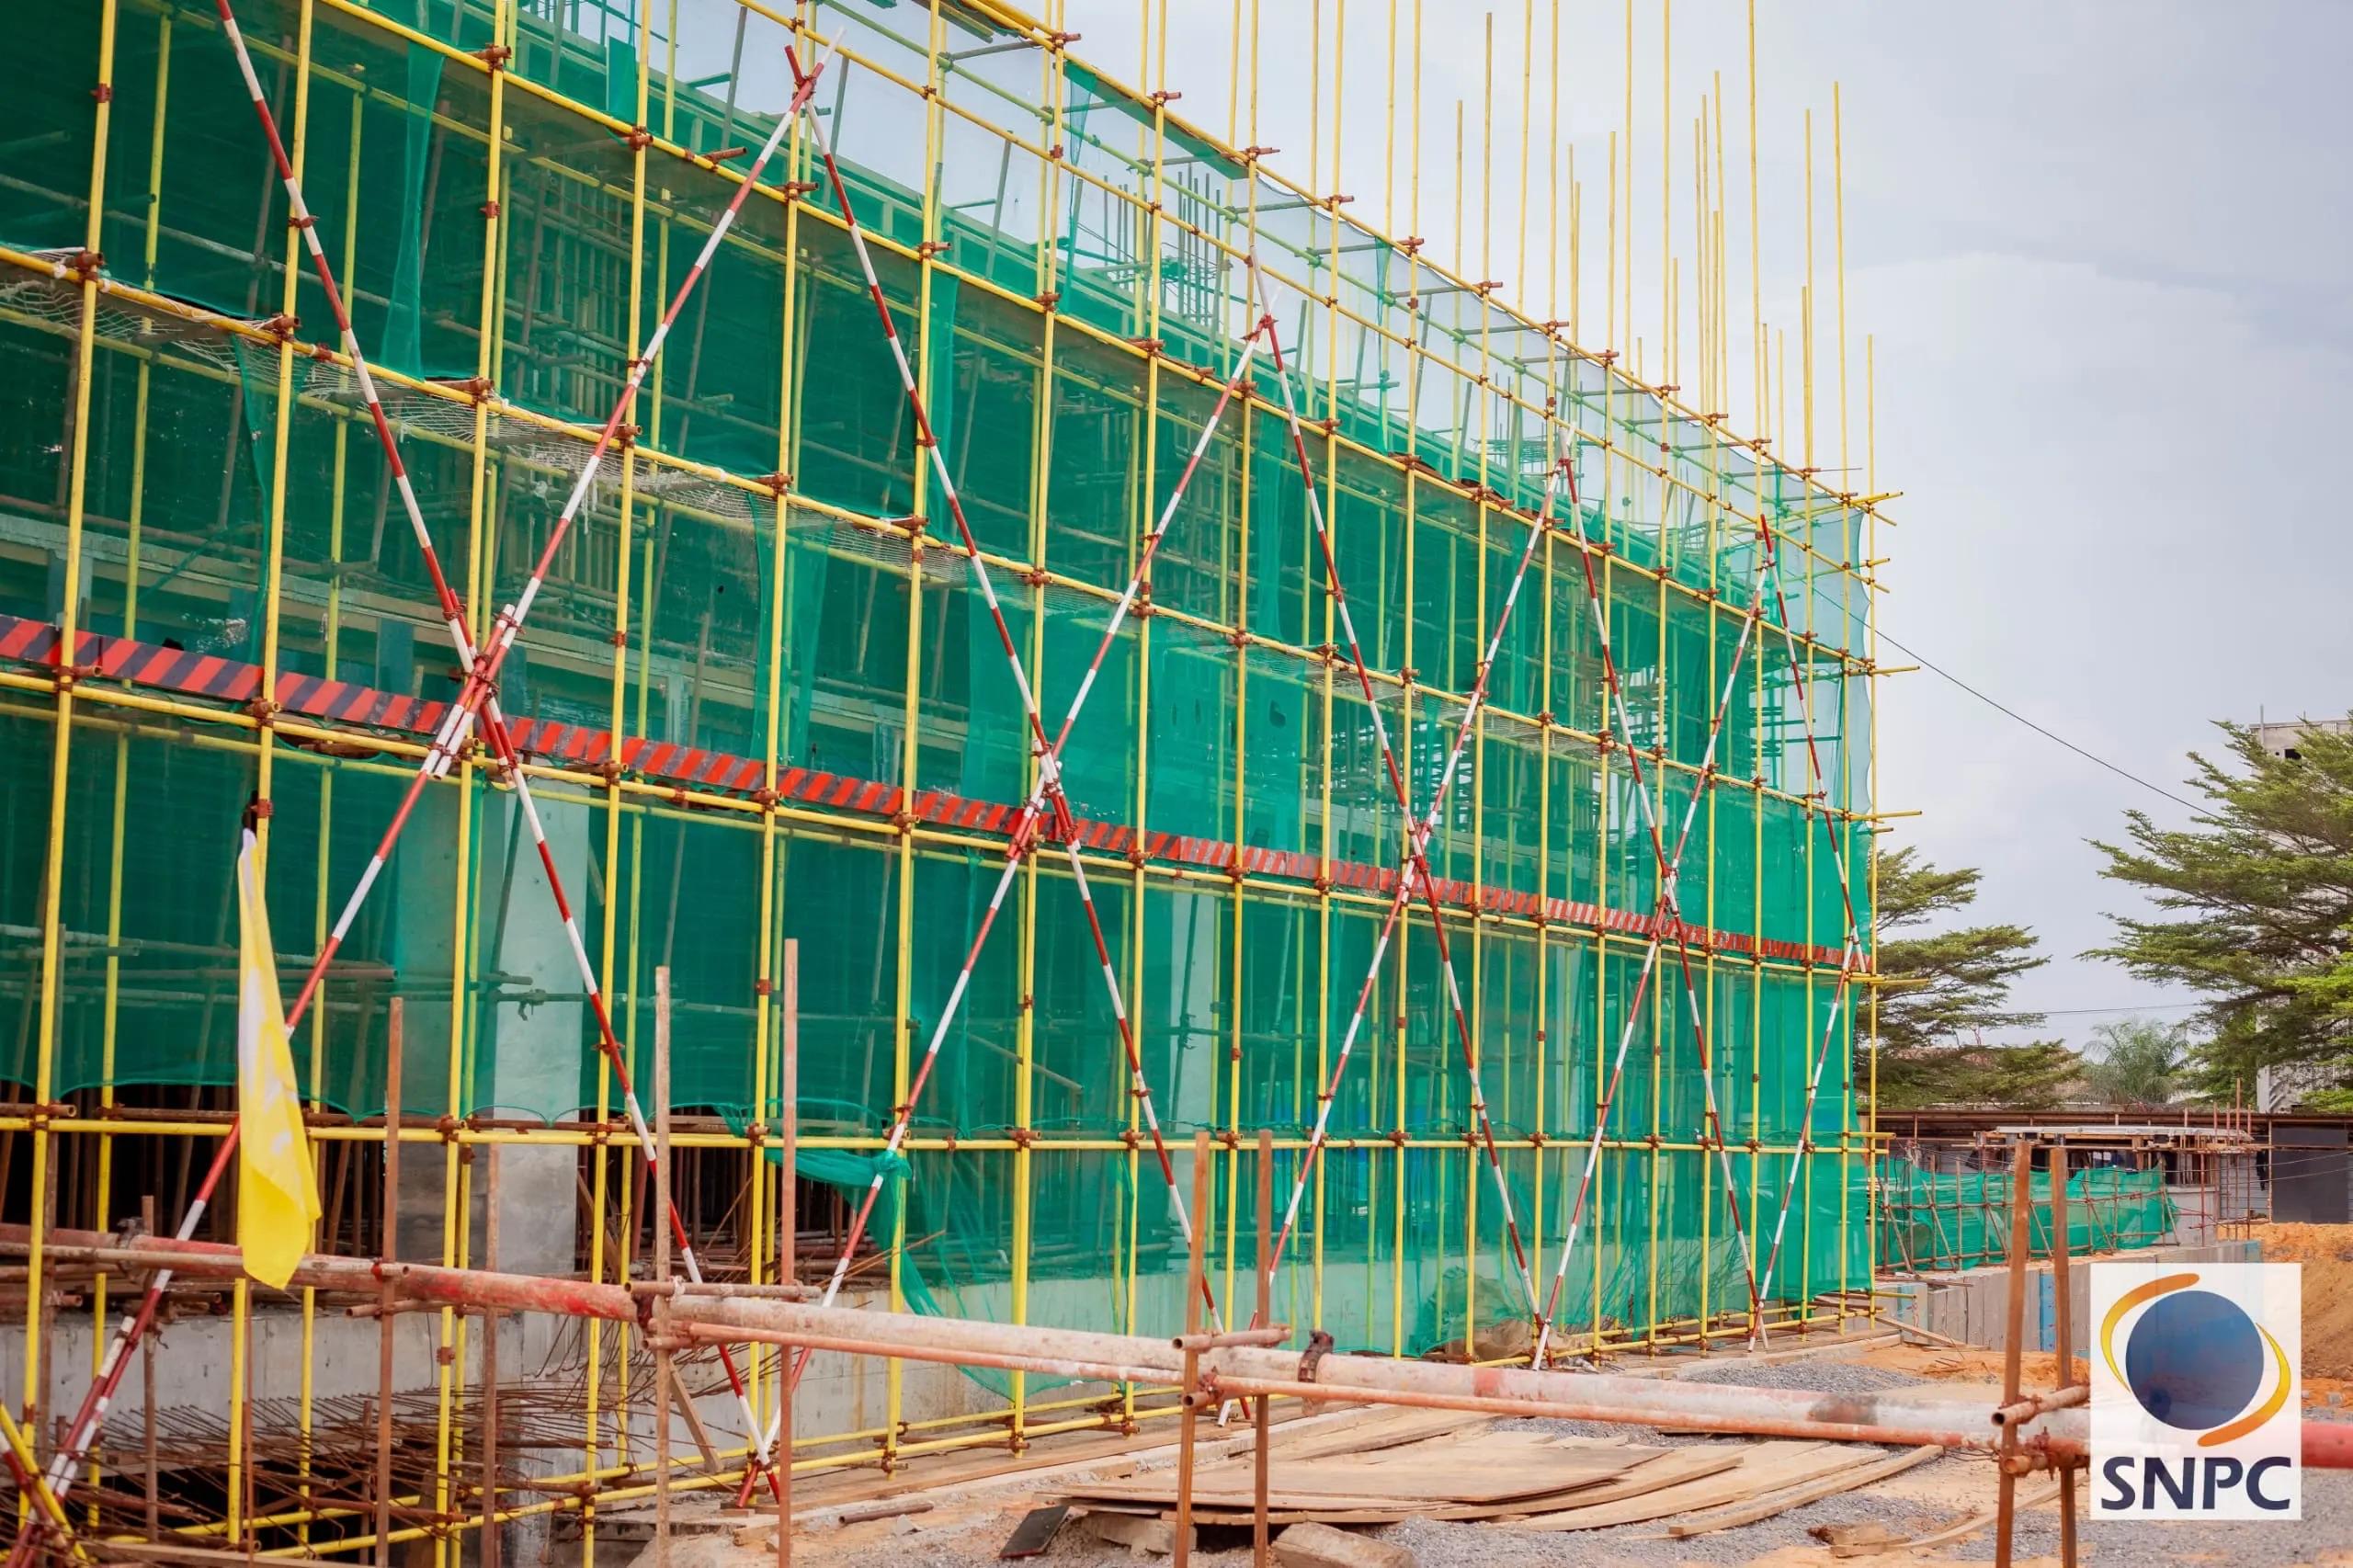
(2101,247)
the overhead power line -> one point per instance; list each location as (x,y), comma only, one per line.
(2125,773)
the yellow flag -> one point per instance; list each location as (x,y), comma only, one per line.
(278,1198)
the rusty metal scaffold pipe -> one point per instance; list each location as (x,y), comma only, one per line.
(1895,1416)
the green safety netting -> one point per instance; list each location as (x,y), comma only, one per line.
(1962,1219)
(754,630)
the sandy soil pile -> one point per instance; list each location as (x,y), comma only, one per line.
(2326,1253)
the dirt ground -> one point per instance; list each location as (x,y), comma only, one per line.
(2326,1253)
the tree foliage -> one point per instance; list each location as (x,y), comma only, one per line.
(2254,906)
(1943,988)
(2138,1062)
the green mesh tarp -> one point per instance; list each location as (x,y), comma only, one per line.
(1962,1219)
(757,619)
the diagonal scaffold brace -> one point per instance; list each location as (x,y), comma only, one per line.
(1669,917)
(1666,917)
(1047,811)
(1852,950)
(1414,876)
(477,699)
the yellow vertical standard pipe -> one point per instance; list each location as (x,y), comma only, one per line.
(601,1183)
(1414,160)
(1234,82)
(1314,94)
(273,570)
(1666,215)
(1052,87)
(1527,89)
(240,1410)
(1846,592)
(1388,130)
(118,826)
(1486,166)
(1870,1112)
(1339,102)
(1806,809)
(68,629)
(1626,151)
(910,752)
(1755,251)
(1552,203)
(1254,71)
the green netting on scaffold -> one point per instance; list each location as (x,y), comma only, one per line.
(1935,1219)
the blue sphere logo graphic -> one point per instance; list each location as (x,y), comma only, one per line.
(2194,1360)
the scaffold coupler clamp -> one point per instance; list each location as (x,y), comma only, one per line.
(1319,1345)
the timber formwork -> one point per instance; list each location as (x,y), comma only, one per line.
(1391,601)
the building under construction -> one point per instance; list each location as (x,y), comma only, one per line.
(1049,635)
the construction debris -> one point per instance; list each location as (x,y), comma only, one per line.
(1321,1546)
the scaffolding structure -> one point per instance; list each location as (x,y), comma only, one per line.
(1473,787)
(2135,1184)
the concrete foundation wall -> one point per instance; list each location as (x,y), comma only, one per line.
(1974,1304)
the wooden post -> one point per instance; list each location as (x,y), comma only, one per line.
(2063,1337)
(388,1245)
(2014,1343)
(658,1205)
(788,1210)
(1260,1547)
(1190,1389)
(491,1319)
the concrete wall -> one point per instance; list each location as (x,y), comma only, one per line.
(1974,1304)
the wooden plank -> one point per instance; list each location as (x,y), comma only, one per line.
(1375,1430)
(1974,1522)
(1669,1465)
(1671,1468)
(1464,1474)
(1675,1464)
(685,1404)
(1764,1467)
(1781,1502)
(1034,1533)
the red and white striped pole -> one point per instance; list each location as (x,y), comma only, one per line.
(1850,955)
(1048,794)
(1668,907)
(1417,867)
(1767,577)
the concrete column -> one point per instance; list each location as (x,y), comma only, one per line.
(530,1031)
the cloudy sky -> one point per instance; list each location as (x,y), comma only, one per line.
(2099,247)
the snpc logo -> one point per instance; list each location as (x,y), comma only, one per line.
(2194,1391)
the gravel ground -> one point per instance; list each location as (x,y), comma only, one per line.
(1953,1486)
(2325,1536)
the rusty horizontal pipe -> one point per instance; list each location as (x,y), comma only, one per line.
(1276,1335)
(860,1345)
(2051,1434)
(1235,1370)
(720,1290)
(2034,1405)
(1902,1427)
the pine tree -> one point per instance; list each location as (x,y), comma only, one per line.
(2256,902)
(1940,990)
